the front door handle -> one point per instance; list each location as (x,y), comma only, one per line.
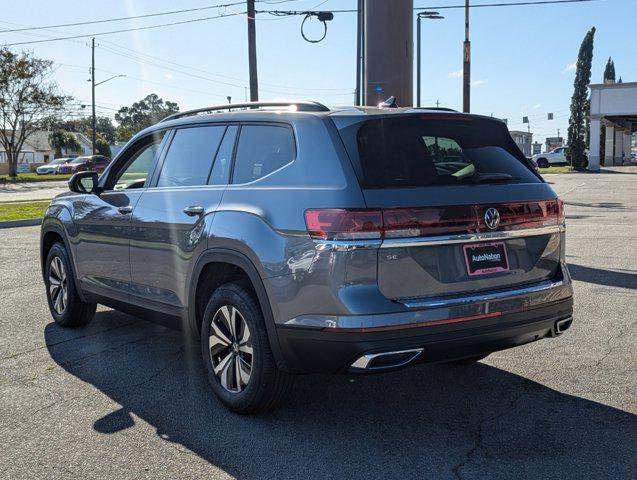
(125,210)
(193,211)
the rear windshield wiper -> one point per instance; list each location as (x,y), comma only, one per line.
(493,177)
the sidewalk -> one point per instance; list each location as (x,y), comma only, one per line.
(10,192)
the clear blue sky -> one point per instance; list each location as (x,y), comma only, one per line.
(522,57)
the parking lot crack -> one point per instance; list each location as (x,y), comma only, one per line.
(478,435)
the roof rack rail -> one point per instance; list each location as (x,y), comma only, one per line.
(301,106)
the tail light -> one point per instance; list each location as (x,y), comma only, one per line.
(341,224)
(378,224)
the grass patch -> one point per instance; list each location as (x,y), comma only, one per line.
(33,177)
(559,169)
(23,210)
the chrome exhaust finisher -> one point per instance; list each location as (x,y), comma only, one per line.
(562,325)
(386,360)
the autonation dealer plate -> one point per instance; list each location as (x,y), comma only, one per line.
(483,258)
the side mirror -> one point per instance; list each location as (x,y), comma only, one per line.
(83,182)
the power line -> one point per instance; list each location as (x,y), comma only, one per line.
(440,7)
(111,32)
(133,17)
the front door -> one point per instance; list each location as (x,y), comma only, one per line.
(173,215)
(104,222)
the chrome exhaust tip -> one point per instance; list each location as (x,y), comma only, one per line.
(385,360)
(562,325)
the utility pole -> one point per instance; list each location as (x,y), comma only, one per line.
(252,53)
(94,121)
(466,65)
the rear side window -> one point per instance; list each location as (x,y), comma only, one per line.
(190,156)
(262,149)
(416,151)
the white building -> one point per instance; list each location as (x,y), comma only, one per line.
(614,108)
(37,151)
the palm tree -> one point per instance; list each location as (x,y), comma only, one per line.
(61,140)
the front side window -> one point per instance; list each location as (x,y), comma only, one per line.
(137,168)
(190,156)
(262,149)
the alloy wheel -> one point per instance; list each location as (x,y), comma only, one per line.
(58,285)
(231,349)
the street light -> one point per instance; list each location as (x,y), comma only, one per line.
(420,16)
(110,78)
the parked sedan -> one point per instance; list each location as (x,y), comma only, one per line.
(94,163)
(51,168)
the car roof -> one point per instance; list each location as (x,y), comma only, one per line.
(288,114)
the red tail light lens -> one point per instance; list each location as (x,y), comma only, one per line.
(420,222)
(341,224)
(344,224)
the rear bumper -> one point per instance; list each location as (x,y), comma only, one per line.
(325,350)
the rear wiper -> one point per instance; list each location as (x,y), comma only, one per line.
(493,177)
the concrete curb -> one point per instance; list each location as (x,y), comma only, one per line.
(21,223)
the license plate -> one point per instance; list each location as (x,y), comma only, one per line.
(483,258)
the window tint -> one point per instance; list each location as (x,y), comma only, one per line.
(262,150)
(190,155)
(135,174)
(221,168)
(420,151)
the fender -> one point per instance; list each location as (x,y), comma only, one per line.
(242,261)
(49,226)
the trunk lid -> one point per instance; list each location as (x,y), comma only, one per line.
(434,177)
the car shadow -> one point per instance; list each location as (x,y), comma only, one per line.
(429,421)
(600,276)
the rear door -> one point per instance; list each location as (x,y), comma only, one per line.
(439,180)
(171,219)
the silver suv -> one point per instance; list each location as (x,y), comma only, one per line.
(291,238)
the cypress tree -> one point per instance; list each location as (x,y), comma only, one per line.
(575,154)
(609,71)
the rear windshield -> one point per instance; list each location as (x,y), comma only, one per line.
(418,151)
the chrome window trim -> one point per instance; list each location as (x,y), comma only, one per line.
(471,237)
(433,303)
(349,245)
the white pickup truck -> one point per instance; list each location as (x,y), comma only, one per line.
(554,157)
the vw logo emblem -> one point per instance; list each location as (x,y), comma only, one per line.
(492,218)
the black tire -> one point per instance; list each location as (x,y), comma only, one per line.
(267,386)
(543,163)
(469,360)
(75,312)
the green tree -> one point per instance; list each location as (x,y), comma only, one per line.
(27,97)
(577,138)
(61,140)
(101,146)
(609,71)
(104,126)
(142,114)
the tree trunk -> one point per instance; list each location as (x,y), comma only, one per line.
(12,159)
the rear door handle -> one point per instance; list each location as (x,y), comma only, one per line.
(194,211)
(125,210)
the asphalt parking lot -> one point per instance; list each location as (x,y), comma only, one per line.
(123,398)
